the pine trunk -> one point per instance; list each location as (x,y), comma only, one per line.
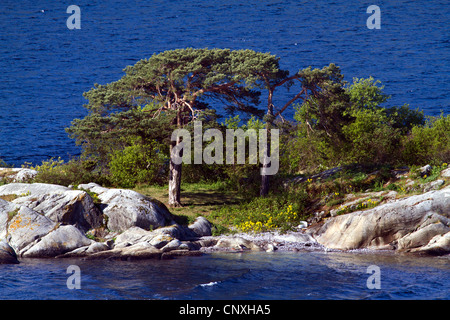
(265,179)
(265,184)
(174,183)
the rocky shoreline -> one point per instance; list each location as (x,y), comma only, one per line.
(92,222)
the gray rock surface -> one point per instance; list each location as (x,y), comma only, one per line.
(58,203)
(26,227)
(7,210)
(17,174)
(128,208)
(438,245)
(23,189)
(405,221)
(25,174)
(57,242)
(201,226)
(7,254)
(138,251)
(445,173)
(237,243)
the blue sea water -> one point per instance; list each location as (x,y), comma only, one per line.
(45,67)
(233,276)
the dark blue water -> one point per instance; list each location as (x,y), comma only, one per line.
(306,275)
(45,67)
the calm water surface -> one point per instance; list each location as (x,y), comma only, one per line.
(312,275)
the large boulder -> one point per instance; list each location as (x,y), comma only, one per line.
(406,224)
(64,239)
(31,234)
(17,174)
(127,208)
(58,203)
(26,227)
(132,236)
(7,254)
(201,227)
(25,174)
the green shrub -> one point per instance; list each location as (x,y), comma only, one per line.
(372,138)
(137,164)
(76,171)
(428,144)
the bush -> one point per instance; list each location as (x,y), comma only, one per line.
(429,143)
(138,164)
(306,152)
(76,171)
(372,138)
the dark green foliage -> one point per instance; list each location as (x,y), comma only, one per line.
(100,135)
(363,130)
(325,110)
(429,143)
(138,163)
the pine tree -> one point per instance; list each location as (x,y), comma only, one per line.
(168,91)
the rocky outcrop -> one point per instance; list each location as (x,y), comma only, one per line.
(25,227)
(127,208)
(405,224)
(237,243)
(438,245)
(137,243)
(58,203)
(43,220)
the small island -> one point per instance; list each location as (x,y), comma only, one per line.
(352,172)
